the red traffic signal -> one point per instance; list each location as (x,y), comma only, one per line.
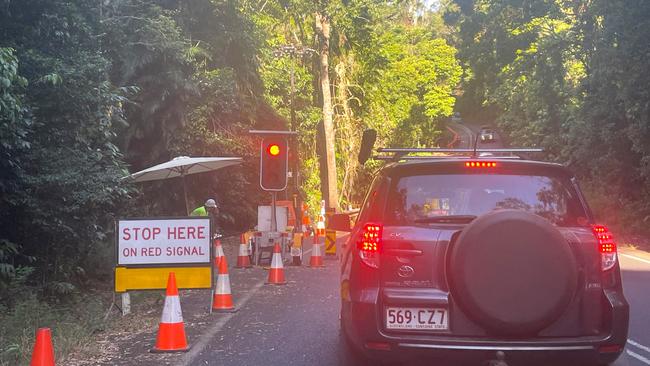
(274,161)
(273,149)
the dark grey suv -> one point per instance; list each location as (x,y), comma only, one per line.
(477,258)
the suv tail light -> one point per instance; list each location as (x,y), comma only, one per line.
(606,247)
(369,244)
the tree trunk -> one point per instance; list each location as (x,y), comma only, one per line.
(328,185)
(348,127)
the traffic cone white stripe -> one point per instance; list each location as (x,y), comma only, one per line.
(172,310)
(222,297)
(223,285)
(219,251)
(276,272)
(276,261)
(243,250)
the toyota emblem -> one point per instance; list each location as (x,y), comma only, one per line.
(405,271)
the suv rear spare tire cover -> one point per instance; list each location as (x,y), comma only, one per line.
(512,272)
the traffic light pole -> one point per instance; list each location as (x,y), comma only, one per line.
(274,219)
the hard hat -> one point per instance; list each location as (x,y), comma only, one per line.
(210,203)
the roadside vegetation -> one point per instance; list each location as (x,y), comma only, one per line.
(93,90)
(571,77)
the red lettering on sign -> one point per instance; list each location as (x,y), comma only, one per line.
(127,235)
(191,230)
(171,233)
(184,251)
(156,231)
(151,252)
(129,252)
(201,234)
(135,232)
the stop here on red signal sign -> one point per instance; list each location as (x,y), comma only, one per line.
(163,241)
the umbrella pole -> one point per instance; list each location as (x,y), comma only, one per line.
(187,207)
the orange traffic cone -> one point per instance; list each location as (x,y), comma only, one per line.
(43,354)
(316,259)
(243,260)
(276,273)
(171,332)
(222,299)
(218,252)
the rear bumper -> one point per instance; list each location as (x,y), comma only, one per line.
(526,356)
(363,321)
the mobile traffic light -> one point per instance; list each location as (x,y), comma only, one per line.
(274,160)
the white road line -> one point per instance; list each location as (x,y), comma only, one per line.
(635,257)
(638,345)
(207,337)
(638,357)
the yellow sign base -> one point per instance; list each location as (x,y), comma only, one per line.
(127,279)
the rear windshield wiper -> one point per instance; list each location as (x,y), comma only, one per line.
(446,219)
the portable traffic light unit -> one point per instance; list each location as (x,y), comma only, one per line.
(274,164)
(274,161)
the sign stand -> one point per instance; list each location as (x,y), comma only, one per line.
(126,303)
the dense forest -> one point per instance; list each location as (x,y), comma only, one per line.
(93,90)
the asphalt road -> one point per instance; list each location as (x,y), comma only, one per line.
(635,266)
(468,132)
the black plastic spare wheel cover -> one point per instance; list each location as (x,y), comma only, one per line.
(512,272)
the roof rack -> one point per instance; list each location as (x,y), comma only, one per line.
(404,153)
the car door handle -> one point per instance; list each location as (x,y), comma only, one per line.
(404,252)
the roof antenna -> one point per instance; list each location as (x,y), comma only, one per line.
(474,154)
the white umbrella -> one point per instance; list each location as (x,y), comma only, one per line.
(182,166)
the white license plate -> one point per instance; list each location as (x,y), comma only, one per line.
(417,318)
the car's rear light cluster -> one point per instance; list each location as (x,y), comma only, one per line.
(369,244)
(606,247)
(480,164)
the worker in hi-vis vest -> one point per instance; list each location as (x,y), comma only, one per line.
(211,210)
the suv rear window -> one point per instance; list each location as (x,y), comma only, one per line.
(419,197)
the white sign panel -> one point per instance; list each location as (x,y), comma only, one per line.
(163,241)
(264,218)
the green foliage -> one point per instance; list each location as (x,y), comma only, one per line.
(14,127)
(64,170)
(570,77)
(414,89)
(390,70)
